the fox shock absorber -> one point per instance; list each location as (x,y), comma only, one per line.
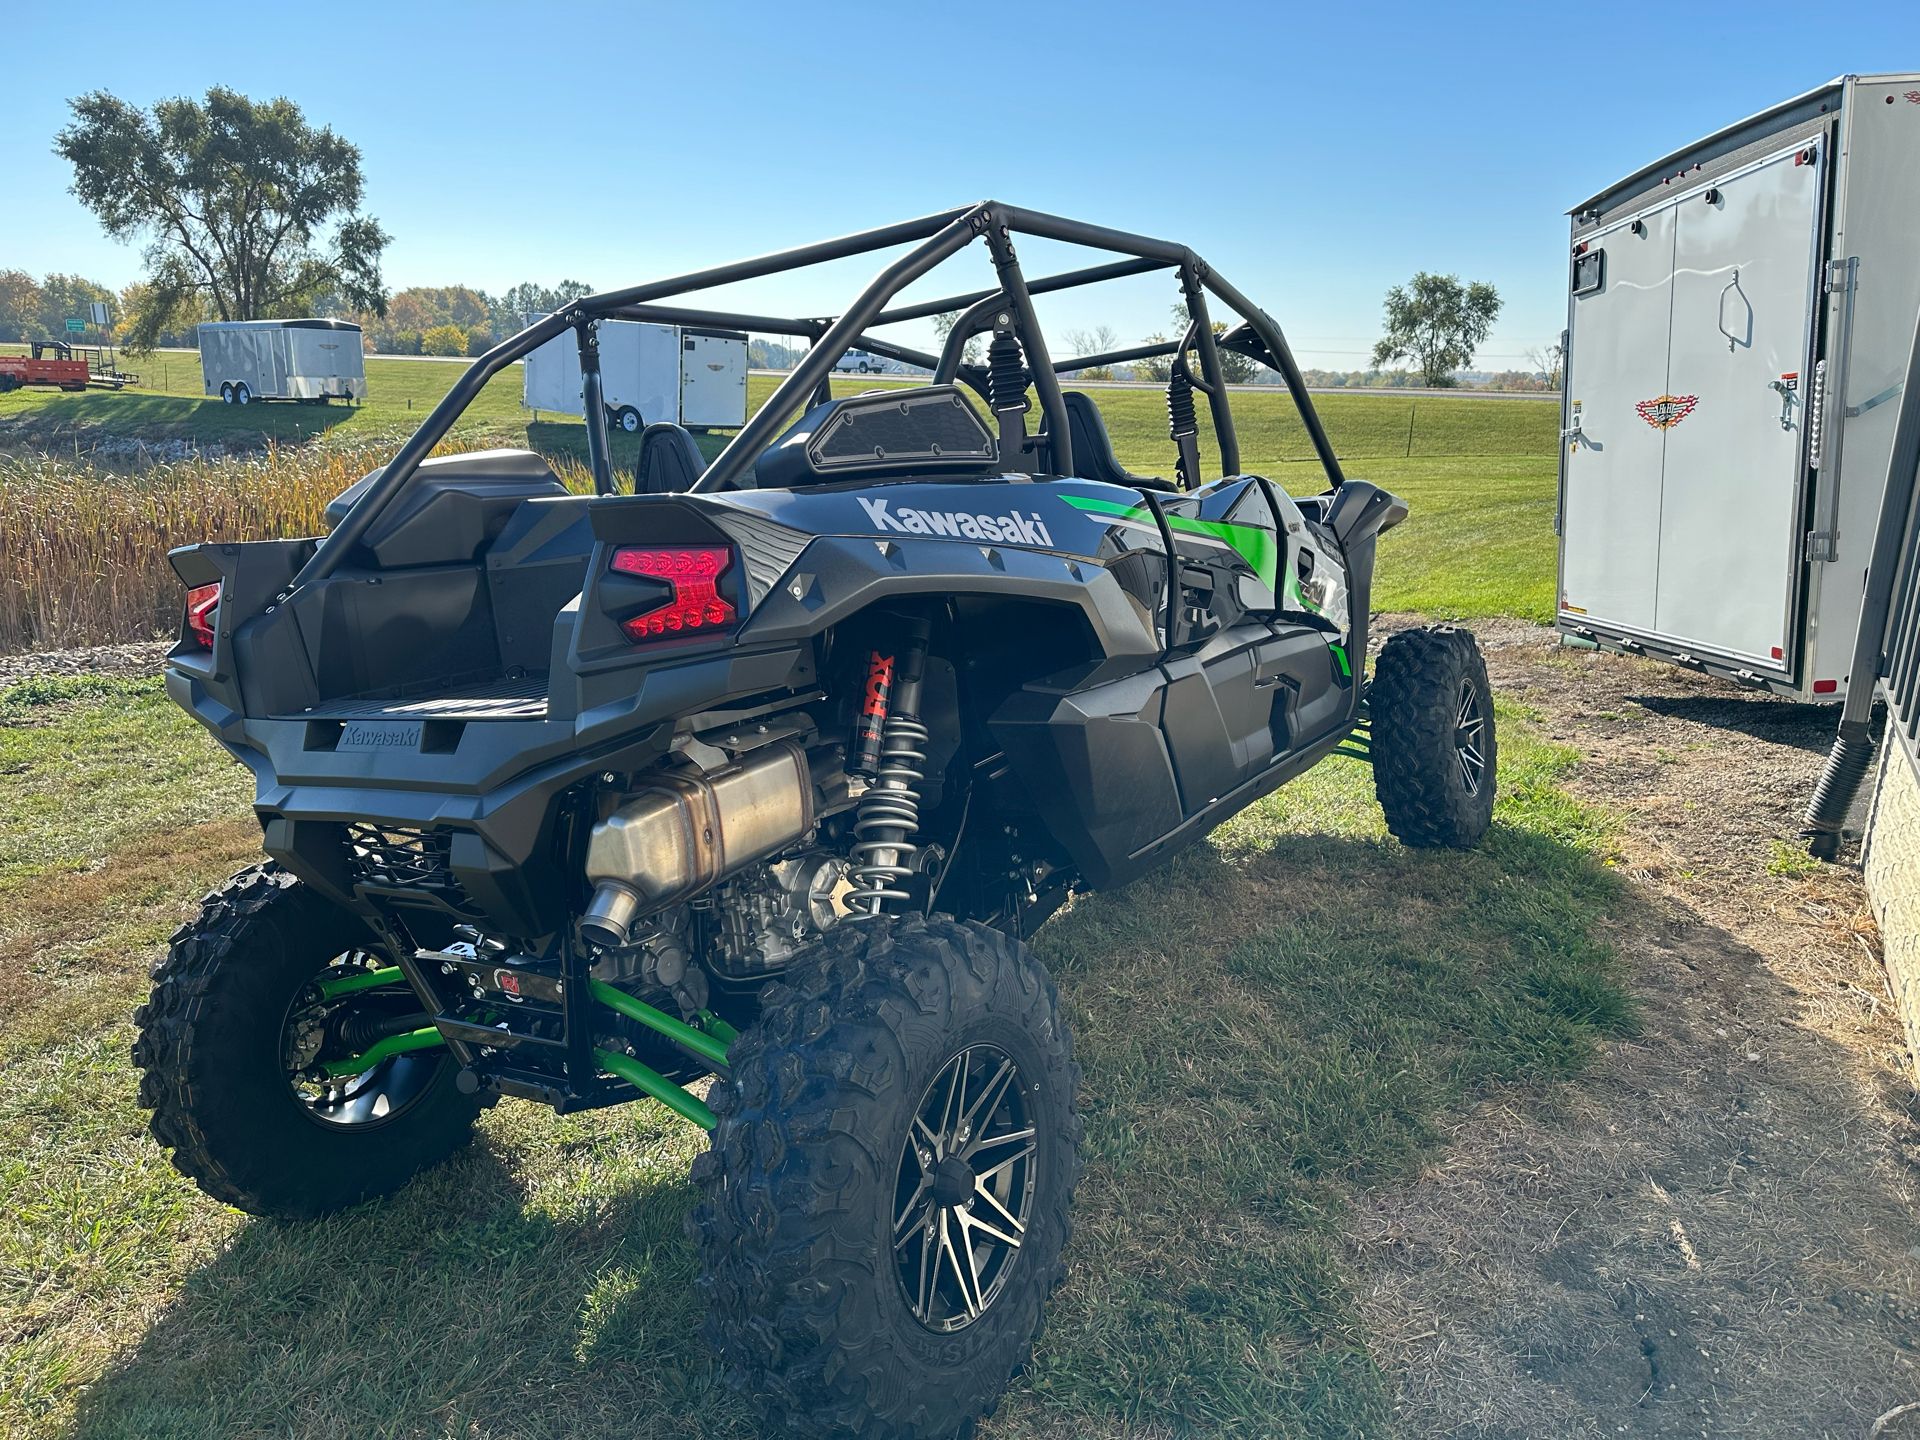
(889,727)
(1183,423)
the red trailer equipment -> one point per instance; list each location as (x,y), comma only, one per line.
(64,372)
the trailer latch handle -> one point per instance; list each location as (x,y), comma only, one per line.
(1787,401)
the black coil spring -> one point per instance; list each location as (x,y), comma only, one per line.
(888,818)
(1006,375)
(1181,417)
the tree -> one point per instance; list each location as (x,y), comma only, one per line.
(1438,323)
(1157,367)
(1237,369)
(64,298)
(943,327)
(1548,359)
(524,301)
(1097,341)
(242,203)
(443,340)
(19,306)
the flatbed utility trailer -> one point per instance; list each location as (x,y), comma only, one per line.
(1738,319)
(57,371)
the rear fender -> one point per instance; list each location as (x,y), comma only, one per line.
(252,575)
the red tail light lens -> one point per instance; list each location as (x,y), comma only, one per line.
(203,603)
(694,572)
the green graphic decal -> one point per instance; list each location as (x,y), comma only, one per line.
(1254,545)
(1340,655)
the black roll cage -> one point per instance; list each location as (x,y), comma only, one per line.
(1007,307)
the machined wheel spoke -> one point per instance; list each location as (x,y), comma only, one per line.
(929,1268)
(988,1142)
(901,1229)
(999,1165)
(989,1098)
(969,1293)
(956,1098)
(971,1221)
(934,1142)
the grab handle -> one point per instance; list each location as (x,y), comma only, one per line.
(1733,287)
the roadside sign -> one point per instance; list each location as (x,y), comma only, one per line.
(99,309)
(76,327)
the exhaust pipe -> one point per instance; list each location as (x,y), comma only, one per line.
(680,834)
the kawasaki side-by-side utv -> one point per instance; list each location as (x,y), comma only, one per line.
(761,772)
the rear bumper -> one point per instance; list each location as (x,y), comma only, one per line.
(1624,642)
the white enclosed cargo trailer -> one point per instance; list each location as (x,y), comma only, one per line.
(1740,314)
(693,376)
(313,361)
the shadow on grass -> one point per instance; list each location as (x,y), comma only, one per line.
(1265,1024)
(465,1305)
(1764,717)
(61,422)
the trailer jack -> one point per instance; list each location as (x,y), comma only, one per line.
(708,1041)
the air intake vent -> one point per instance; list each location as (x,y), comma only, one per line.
(928,431)
(402,858)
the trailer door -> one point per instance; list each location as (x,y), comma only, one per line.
(1745,256)
(713,378)
(1611,466)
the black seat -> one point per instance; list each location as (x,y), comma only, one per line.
(669,461)
(1093,457)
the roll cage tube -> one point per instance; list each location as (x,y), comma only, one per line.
(934,238)
(593,401)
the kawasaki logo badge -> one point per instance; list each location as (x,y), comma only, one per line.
(1014,529)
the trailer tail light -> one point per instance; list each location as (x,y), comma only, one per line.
(203,606)
(695,604)
(1826,687)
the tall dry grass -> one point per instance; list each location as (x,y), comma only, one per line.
(83,548)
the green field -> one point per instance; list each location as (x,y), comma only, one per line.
(1479,474)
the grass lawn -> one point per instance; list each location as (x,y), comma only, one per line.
(1296,1008)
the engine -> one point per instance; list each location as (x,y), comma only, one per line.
(729,868)
(764,915)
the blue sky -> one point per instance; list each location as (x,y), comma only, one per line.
(1316,155)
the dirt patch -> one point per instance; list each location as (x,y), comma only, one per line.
(1712,1232)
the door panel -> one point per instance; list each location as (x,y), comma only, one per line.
(1610,515)
(713,380)
(1730,520)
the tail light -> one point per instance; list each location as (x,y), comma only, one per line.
(203,605)
(694,604)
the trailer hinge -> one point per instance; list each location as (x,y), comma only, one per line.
(1842,275)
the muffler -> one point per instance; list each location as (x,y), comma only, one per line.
(680,833)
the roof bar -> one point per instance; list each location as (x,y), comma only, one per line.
(1066,280)
(818,362)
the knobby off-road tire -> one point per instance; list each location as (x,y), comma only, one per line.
(1434,750)
(214,1075)
(801,1191)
